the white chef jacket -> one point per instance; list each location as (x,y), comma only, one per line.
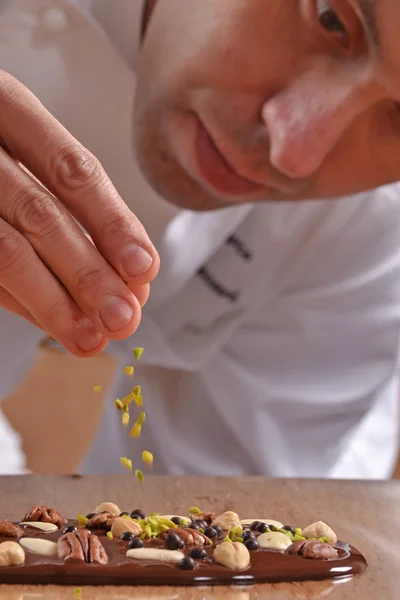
(272,332)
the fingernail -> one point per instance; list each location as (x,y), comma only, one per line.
(116,314)
(135,260)
(86,336)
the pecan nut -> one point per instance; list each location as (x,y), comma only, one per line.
(103,521)
(204,516)
(318,550)
(83,546)
(45,514)
(8,529)
(296,547)
(190,537)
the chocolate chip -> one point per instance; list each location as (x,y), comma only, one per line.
(90,515)
(198,553)
(195,525)
(176,520)
(187,563)
(127,535)
(252,544)
(289,528)
(173,542)
(254,526)
(219,530)
(135,543)
(70,529)
(211,532)
(262,528)
(137,514)
(124,514)
(247,534)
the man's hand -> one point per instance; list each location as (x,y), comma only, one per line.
(50,272)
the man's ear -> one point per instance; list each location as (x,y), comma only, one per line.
(147,11)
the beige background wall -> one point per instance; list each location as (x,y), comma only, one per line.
(58,398)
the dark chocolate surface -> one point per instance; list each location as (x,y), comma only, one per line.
(266,566)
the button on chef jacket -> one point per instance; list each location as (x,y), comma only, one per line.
(272,332)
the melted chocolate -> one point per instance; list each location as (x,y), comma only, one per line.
(267,566)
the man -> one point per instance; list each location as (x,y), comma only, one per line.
(271,334)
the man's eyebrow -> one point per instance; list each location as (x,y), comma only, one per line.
(368,13)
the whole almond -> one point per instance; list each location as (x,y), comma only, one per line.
(156,554)
(45,547)
(275,540)
(48,527)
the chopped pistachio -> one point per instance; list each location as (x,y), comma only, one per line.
(141,418)
(298,531)
(97,388)
(163,528)
(238,539)
(139,475)
(129,370)
(139,400)
(227,539)
(110,535)
(125,419)
(126,462)
(194,510)
(138,352)
(126,400)
(147,531)
(147,457)
(118,404)
(298,538)
(136,390)
(82,520)
(136,430)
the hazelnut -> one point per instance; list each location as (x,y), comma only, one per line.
(121,525)
(274,540)
(227,521)
(320,530)
(109,507)
(233,555)
(11,553)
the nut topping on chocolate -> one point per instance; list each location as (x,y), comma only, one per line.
(313,549)
(208,517)
(102,521)
(320,530)
(11,553)
(45,514)
(109,507)
(227,521)
(120,526)
(83,546)
(233,555)
(8,529)
(190,537)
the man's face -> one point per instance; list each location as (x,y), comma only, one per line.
(249,100)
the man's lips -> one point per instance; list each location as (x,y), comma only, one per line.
(215,169)
(218,173)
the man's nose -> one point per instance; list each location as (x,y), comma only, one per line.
(307,119)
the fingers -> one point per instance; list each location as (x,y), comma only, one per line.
(73,175)
(141,292)
(9,303)
(40,295)
(93,284)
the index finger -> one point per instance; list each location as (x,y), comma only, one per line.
(77,178)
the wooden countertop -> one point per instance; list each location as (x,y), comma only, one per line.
(366,514)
